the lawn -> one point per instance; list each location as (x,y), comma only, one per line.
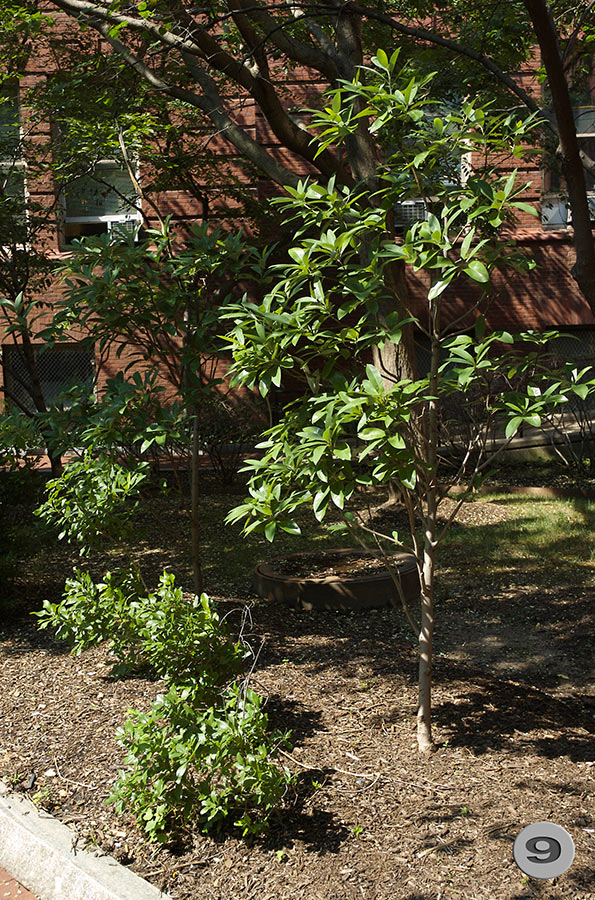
(513,707)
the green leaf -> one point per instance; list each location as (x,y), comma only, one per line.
(371,434)
(512,426)
(477,271)
(466,244)
(374,377)
(437,288)
(381,59)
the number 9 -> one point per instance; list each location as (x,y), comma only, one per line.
(550,854)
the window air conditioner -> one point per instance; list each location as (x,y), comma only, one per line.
(591,202)
(122,227)
(409,211)
(554,212)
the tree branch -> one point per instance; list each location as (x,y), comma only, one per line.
(211,104)
(422,34)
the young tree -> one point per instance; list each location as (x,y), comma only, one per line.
(355,427)
(158,301)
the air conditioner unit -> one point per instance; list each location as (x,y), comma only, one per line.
(409,211)
(123,227)
(554,212)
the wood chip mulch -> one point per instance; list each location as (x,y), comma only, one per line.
(372,819)
(514,707)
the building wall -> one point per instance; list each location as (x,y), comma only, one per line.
(541,299)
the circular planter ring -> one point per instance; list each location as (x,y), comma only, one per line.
(345,592)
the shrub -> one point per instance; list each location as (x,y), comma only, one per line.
(229,427)
(202,751)
(88,501)
(177,638)
(190,761)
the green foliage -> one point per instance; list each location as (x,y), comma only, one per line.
(355,426)
(88,502)
(178,638)
(202,753)
(188,762)
(18,436)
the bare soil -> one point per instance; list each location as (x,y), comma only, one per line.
(514,706)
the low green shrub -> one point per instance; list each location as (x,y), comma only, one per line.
(88,502)
(178,638)
(191,762)
(202,753)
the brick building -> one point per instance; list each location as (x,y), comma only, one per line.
(107,201)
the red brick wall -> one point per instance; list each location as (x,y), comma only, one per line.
(545,297)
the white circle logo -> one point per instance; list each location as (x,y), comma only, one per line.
(543,850)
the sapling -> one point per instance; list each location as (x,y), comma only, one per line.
(332,311)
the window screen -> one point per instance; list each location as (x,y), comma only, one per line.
(59,368)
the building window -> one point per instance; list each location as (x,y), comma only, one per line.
(59,368)
(104,202)
(13,201)
(584,120)
(455,172)
(555,212)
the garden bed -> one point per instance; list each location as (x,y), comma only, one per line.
(513,711)
(345,579)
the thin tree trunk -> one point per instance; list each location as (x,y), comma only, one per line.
(38,398)
(425,742)
(195,509)
(424,711)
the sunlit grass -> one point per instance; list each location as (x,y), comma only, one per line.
(542,536)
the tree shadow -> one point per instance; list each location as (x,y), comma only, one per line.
(23,636)
(491,710)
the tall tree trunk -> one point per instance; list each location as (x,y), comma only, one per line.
(570,156)
(425,742)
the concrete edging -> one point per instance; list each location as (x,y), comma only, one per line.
(548,493)
(38,852)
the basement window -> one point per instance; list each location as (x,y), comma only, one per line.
(59,368)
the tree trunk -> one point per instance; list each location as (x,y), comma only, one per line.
(572,166)
(195,509)
(38,398)
(424,709)
(430,442)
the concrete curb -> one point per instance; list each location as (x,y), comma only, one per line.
(37,850)
(548,493)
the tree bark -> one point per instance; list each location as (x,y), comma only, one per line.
(195,509)
(426,634)
(570,156)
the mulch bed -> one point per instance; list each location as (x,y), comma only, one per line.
(372,819)
(323,565)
